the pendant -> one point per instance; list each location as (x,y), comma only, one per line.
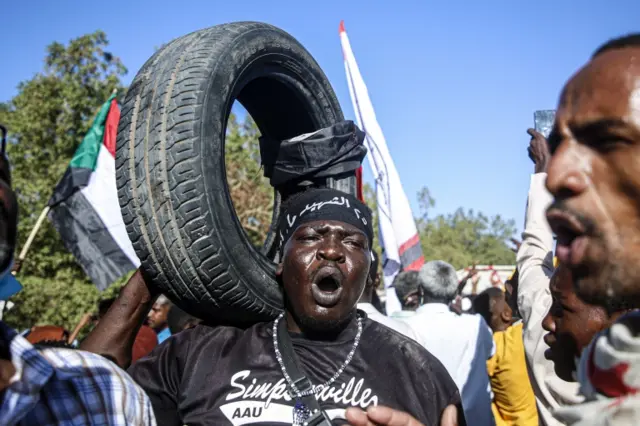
(300,413)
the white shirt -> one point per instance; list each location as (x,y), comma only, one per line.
(401,315)
(463,344)
(375,315)
(535,266)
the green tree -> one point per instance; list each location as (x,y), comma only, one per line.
(46,120)
(369,194)
(464,237)
(461,238)
(251,192)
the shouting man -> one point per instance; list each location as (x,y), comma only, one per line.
(594,175)
(227,375)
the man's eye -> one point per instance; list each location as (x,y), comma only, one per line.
(565,308)
(354,243)
(607,143)
(556,308)
(308,237)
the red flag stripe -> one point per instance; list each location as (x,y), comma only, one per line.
(409,243)
(111,128)
(359,184)
(415,265)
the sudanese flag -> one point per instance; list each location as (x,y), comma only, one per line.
(84,206)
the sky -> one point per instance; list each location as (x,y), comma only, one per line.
(454,84)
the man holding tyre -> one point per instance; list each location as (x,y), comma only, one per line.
(318,358)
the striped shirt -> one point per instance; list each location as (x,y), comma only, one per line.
(56,386)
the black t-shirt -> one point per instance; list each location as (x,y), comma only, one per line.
(230,376)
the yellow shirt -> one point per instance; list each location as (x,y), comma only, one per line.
(514,403)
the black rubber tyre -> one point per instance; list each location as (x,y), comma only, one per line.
(170,165)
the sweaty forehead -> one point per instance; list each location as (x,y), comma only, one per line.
(561,281)
(608,87)
(331,225)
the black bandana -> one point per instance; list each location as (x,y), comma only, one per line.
(325,204)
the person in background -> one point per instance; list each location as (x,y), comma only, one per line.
(365,304)
(406,284)
(55,386)
(179,320)
(571,323)
(513,401)
(157,318)
(462,342)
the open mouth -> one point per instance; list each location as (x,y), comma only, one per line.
(572,241)
(327,286)
(550,340)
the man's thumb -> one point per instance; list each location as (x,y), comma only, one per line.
(449,416)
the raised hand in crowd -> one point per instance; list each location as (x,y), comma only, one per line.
(539,151)
(385,416)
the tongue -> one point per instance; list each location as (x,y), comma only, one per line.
(572,254)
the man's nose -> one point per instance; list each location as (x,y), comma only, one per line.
(548,323)
(332,250)
(568,171)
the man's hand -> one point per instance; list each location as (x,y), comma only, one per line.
(385,416)
(456,305)
(539,151)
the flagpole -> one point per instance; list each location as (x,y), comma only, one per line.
(32,236)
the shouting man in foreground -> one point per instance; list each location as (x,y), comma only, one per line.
(227,375)
(594,175)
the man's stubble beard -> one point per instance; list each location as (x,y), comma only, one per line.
(616,283)
(318,326)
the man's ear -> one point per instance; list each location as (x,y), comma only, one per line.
(507,315)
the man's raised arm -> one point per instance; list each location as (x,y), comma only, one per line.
(114,335)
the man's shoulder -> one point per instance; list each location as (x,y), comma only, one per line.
(91,369)
(207,335)
(472,323)
(74,359)
(401,346)
(393,324)
(444,315)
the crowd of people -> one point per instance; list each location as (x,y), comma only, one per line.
(557,344)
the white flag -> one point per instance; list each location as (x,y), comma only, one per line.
(398,234)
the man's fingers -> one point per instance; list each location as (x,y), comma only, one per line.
(385,416)
(449,416)
(357,417)
(533,133)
